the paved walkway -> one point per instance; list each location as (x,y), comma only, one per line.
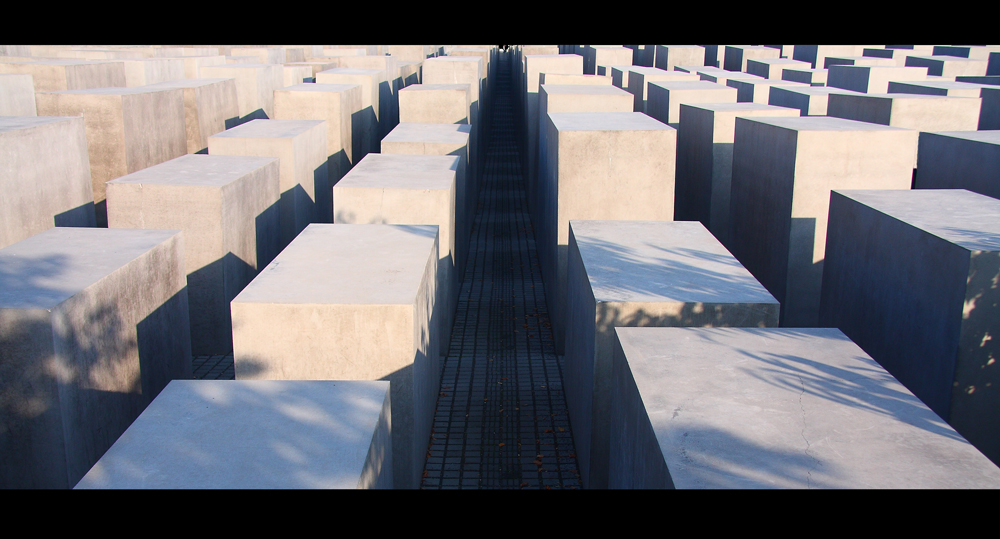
(501,419)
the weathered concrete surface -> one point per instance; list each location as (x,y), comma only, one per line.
(758,90)
(535,65)
(372,322)
(774,408)
(665,98)
(210,106)
(44,176)
(17,95)
(989,111)
(774,68)
(143,71)
(858,61)
(220,434)
(871,79)
(411,190)
(705,138)
(597,59)
(639,79)
(737,56)
(436,103)
(117,123)
(193,64)
(303,177)
(783,172)
(263,55)
(949,66)
(375,95)
(227,207)
(339,105)
(812,77)
(668,56)
(598,165)
(960,160)
(53,75)
(808,100)
(642,273)
(911,277)
(255,86)
(911,111)
(816,54)
(93,324)
(388,94)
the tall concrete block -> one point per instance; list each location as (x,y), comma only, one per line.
(535,65)
(959,160)
(255,86)
(668,56)
(910,276)
(858,61)
(389,93)
(912,111)
(758,90)
(598,166)
(812,77)
(93,324)
(808,100)
(339,105)
(436,103)
(773,68)
(665,98)
(44,176)
(303,177)
(118,124)
(296,74)
(640,78)
(461,70)
(816,54)
(262,55)
(705,138)
(783,172)
(53,75)
(193,64)
(714,408)
(372,321)
(872,79)
(17,95)
(375,95)
(597,59)
(235,427)
(737,56)
(411,190)
(210,106)
(227,207)
(642,273)
(143,71)
(949,66)
(989,111)
(562,79)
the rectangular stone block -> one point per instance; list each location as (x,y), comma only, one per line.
(143,71)
(959,160)
(758,90)
(773,408)
(53,75)
(989,111)
(535,65)
(436,103)
(816,54)
(783,172)
(410,190)
(723,77)
(642,273)
(227,207)
(640,78)
(598,58)
(598,166)
(93,324)
(705,138)
(858,61)
(370,319)
(210,106)
(949,66)
(339,105)
(773,68)
(388,93)
(809,101)
(303,178)
(665,98)
(193,64)
(911,111)
(871,79)
(255,86)
(17,95)
(296,74)
(737,56)
(44,176)
(911,277)
(563,79)
(668,56)
(812,77)
(374,96)
(118,123)
(342,442)
(262,55)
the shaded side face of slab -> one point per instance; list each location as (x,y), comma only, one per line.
(960,160)
(774,408)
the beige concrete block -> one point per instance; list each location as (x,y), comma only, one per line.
(668,56)
(872,79)
(773,68)
(640,77)
(143,71)
(263,55)
(665,98)
(920,112)
(374,96)
(255,86)
(56,75)
(210,106)
(17,95)
(736,56)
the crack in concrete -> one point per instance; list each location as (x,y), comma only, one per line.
(803,432)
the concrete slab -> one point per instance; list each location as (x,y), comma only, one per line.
(816,54)
(388,93)
(17,95)
(910,277)
(143,71)
(812,77)
(598,166)
(774,68)
(641,77)
(255,86)
(668,56)
(94,324)
(911,111)
(960,160)
(117,123)
(254,435)
(665,98)
(562,79)
(774,408)
(53,75)
(374,95)
(227,207)
(737,56)
(302,173)
(436,103)
(989,111)
(597,59)
(642,273)
(373,322)
(210,106)
(44,176)
(411,190)
(262,55)
(296,74)
(705,138)
(193,64)
(858,61)
(783,172)
(758,90)
(809,101)
(871,79)
(949,66)
(339,105)
(535,65)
